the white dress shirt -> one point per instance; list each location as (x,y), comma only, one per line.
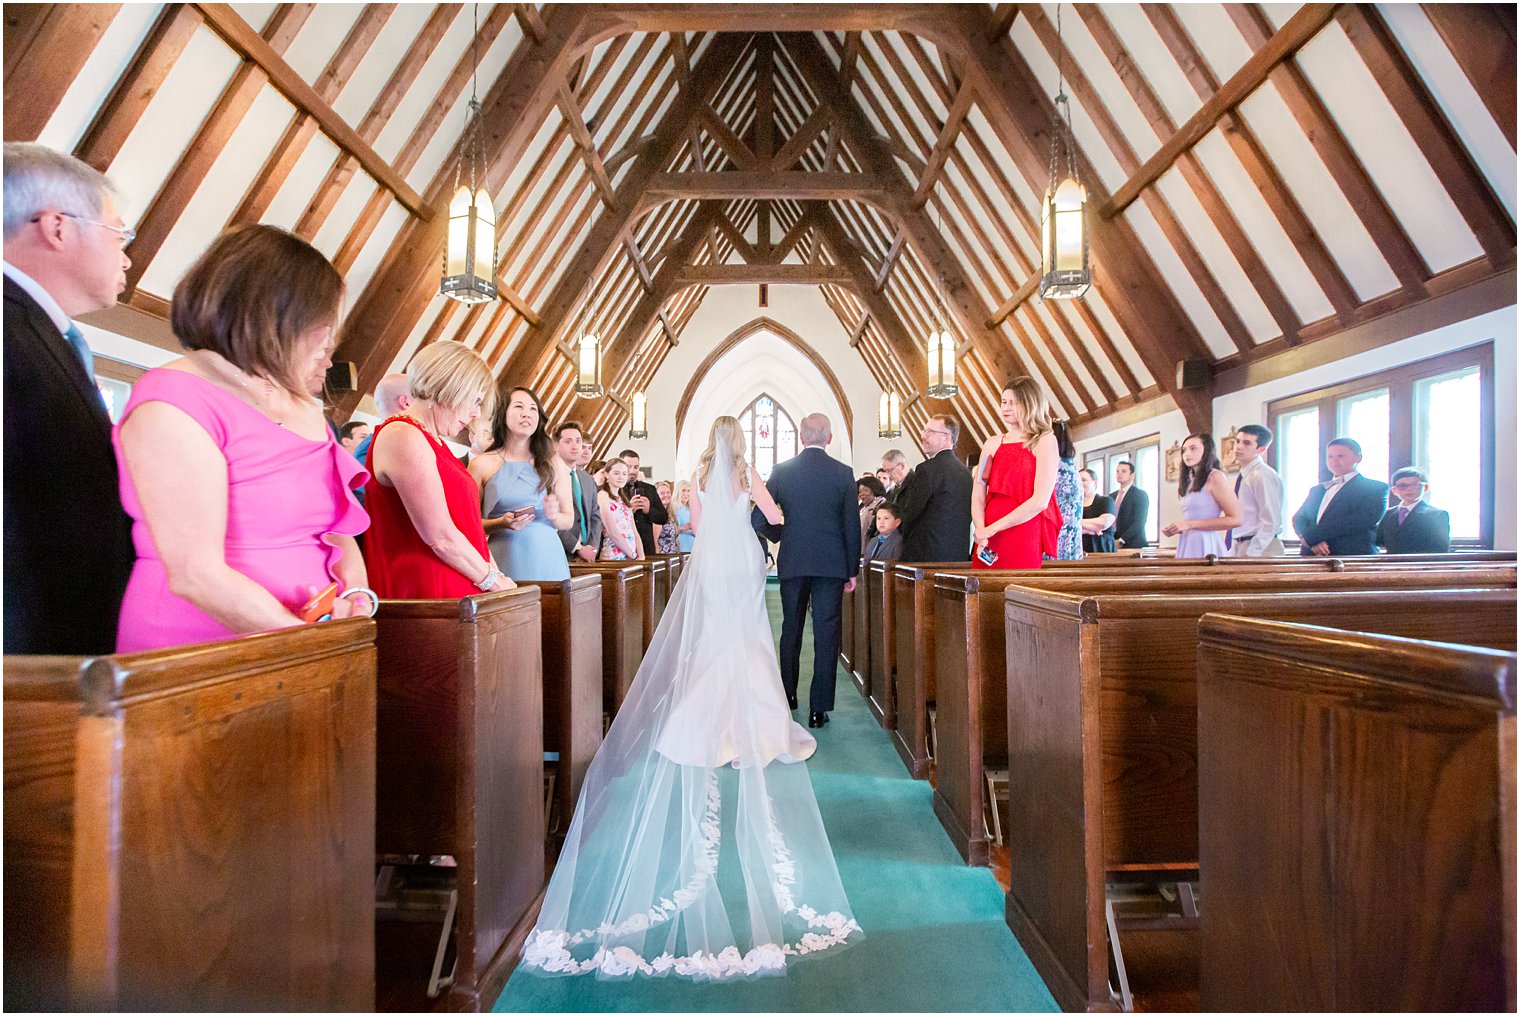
(1332,488)
(1261,508)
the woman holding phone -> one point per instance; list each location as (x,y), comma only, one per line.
(620,537)
(525,495)
(1013,505)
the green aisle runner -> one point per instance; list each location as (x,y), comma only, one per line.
(935,937)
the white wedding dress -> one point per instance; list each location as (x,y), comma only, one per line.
(697,847)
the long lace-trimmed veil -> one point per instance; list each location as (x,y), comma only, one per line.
(697,847)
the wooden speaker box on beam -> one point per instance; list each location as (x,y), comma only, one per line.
(342,377)
(1194,374)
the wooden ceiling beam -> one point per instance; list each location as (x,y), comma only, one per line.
(1482,39)
(789,240)
(935,164)
(532,22)
(765,98)
(732,145)
(777,275)
(763,185)
(804,137)
(1480,208)
(570,109)
(46,46)
(1002,20)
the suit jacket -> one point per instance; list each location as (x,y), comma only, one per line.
(1349,523)
(935,505)
(645,522)
(889,549)
(1134,513)
(586,509)
(821,536)
(1426,530)
(68,544)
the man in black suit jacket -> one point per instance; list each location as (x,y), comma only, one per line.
(1413,527)
(648,510)
(1340,515)
(1134,509)
(935,501)
(68,544)
(820,553)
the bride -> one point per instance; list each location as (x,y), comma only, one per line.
(697,847)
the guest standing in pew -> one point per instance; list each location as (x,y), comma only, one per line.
(1260,490)
(427,541)
(665,541)
(886,545)
(68,544)
(1209,505)
(620,534)
(642,498)
(1069,542)
(686,536)
(1013,504)
(935,503)
(391,397)
(1413,527)
(1340,516)
(242,499)
(583,538)
(1098,514)
(1134,510)
(895,465)
(526,498)
(871,495)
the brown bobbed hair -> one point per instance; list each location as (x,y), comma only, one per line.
(251,295)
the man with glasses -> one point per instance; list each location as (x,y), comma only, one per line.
(935,502)
(1413,527)
(68,544)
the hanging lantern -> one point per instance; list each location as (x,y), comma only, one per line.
(469,253)
(1065,270)
(588,367)
(638,416)
(942,365)
(889,415)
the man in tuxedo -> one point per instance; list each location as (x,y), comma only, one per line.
(1413,527)
(68,544)
(1134,510)
(648,510)
(582,539)
(935,501)
(820,553)
(1340,516)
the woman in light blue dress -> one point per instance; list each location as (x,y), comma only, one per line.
(686,537)
(525,495)
(1209,505)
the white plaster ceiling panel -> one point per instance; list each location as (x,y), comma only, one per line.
(320,37)
(257,15)
(1153,60)
(917,79)
(104,67)
(516,248)
(701,46)
(1029,192)
(423,89)
(477,328)
(1215,252)
(390,47)
(414,338)
(1262,228)
(1120,337)
(1044,369)
(610,66)
(345,212)
(878,77)
(169,124)
(1105,81)
(492,60)
(649,112)
(375,248)
(536,153)
(1385,148)
(1110,173)
(1329,213)
(220,193)
(1038,309)
(1279,14)
(562,239)
(1084,334)
(1455,94)
(304,179)
(1178,279)
(1216,37)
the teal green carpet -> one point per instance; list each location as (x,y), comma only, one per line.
(935,938)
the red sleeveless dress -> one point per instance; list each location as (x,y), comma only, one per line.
(401,566)
(1010,480)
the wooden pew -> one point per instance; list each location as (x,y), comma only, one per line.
(912,605)
(847,630)
(625,601)
(860,659)
(1357,821)
(660,586)
(572,655)
(461,763)
(193,828)
(1102,739)
(881,691)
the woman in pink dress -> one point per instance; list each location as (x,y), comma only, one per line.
(1013,502)
(241,498)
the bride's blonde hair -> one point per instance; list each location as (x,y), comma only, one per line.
(729,428)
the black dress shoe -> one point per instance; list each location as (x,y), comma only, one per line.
(817,718)
(791,701)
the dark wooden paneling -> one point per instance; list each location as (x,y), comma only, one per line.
(914,628)
(883,685)
(625,598)
(572,648)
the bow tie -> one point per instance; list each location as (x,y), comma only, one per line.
(1336,482)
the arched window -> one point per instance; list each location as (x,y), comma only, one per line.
(770,436)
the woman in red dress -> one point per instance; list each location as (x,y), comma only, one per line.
(426,540)
(1013,505)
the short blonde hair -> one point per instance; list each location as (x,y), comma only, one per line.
(452,375)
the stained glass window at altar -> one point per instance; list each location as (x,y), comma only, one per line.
(770,436)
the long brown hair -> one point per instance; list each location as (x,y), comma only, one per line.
(1193,480)
(539,445)
(1034,409)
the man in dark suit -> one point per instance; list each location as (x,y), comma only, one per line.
(1341,515)
(935,501)
(1413,527)
(648,510)
(820,553)
(68,544)
(584,538)
(1134,509)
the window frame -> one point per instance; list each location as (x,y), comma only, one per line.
(1128,450)
(752,437)
(1400,382)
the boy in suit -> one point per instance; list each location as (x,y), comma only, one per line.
(887,545)
(1413,527)
(1340,516)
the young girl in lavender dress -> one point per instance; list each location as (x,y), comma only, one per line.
(1209,505)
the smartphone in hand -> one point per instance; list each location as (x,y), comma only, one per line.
(320,606)
(987,556)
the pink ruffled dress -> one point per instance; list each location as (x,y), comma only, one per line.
(285,494)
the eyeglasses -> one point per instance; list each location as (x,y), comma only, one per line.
(126,233)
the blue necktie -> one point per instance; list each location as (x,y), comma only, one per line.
(76,339)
